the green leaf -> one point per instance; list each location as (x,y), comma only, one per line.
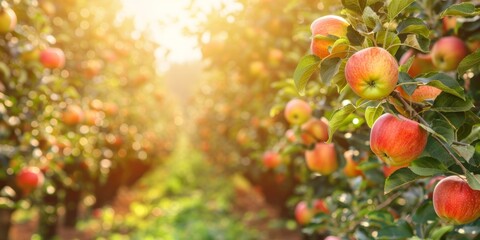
(391,39)
(441,127)
(329,68)
(424,213)
(435,150)
(438,233)
(338,119)
(418,42)
(446,102)
(461,9)
(469,62)
(354,37)
(399,178)
(401,230)
(381,216)
(473,180)
(354,5)
(403,77)
(396,7)
(305,69)
(371,19)
(372,113)
(466,152)
(339,78)
(292,149)
(413,25)
(427,166)
(443,82)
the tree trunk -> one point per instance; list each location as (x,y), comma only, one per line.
(72,202)
(5,222)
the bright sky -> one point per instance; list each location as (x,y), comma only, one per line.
(174,15)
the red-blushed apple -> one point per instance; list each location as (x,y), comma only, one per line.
(52,58)
(321,28)
(319,206)
(322,159)
(271,159)
(110,108)
(420,94)
(397,141)
(372,73)
(448,52)
(314,130)
(455,201)
(8,20)
(449,23)
(422,63)
(297,111)
(29,178)
(473,44)
(388,170)
(91,117)
(351,166)
(332,238)
(290,135)
(72,115)
(303,214)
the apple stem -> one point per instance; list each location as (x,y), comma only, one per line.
(422,120)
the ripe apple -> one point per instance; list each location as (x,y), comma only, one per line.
(421,93)
(314,130)
(319,206)
(449,23)
(91,117)
(351,166)
(8,20)
(372,73)
(297,111)
(29,178)
(290,135)
(324,26)
(303,213)
(271,159)
(110,108)
(455,201)
(332,238)
(473,44)
(322,159)
(422,63)
(397,140)
(448,52)
(52,58)
(92,68)
(72,115)
(388,170)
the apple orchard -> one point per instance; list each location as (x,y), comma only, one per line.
(349,119)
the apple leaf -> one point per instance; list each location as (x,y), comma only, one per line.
(403,77)
(466,152)
(438,233)
(371,19)
(305,69)
(473,180)
(435,150)
(427,166)
(446,102)
(418,42)
(329,68)
(413,25)
(339,78)
(391,39)
(443,82)
(406,66)
(424,213)
(396,7)
(339,118)
(354,5)
(399,178)
(443,128)
(462,9)
(354,37)
(471,61)
(372,113)
(401,230)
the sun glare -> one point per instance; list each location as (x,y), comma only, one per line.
(166,20)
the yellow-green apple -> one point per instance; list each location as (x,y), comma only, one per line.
(388,170)
(8,20)
(422,63)
(397,141)
(372,73)
(297,111)
(29,178)
(321,28)
(303,214)
(455,201)
(52,58)
(322,159)
(271,159)
(314,130)
(72,115)
(448,52)
(351,166)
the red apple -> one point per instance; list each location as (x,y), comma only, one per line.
(372,73)
(351,166)
(322,159)
(421,93)
(271,159)
(72,115)
(297,111)
(448,52)
(303,213)
(8,20)
(319,206)
(29,178)
(422,63)
(314,130)
(455,201)
(388,170)
(397,140)
(290,135)
(52,58)
(449,23)
(324,26)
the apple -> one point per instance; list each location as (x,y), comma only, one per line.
(290,135)
(297,111)
(52,58)
(314,130)
(110,108)
(372,73)
(455,201)
(91,117)
(324,26)
(473,44)
(92,68)
(29,178)
(303,213)
(319,206)
(332,238)
(72,115)
(351,166)
(388,170)
(271,159)
(275,56)
(421,93)
(8,20)
(422,63)
(448,52)
(449,23)
(322,159)
(398,140)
